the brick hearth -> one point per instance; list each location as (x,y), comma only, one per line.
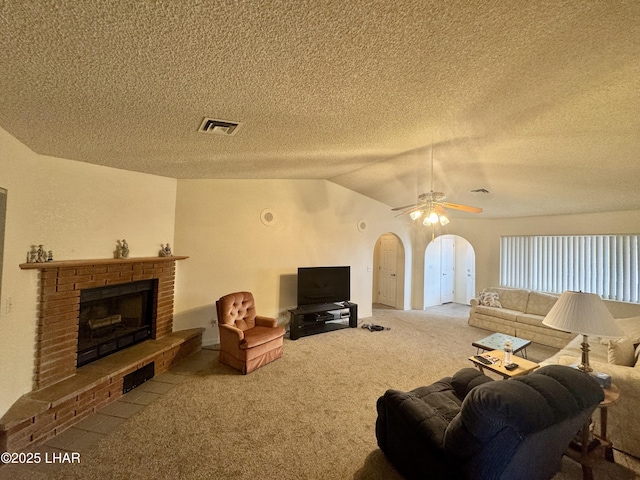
(63,394)
(59,306)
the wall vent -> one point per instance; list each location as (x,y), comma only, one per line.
(219,127)
(138,377)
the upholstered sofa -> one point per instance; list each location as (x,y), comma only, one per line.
(618,358)
(470,427)
(520,314)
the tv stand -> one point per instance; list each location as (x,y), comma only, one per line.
(320,318)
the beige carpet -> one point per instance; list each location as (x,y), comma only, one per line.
(309,415)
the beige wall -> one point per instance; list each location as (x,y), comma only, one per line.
(78,211)
(218,225)
(484,236)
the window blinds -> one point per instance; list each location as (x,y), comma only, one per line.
(603,264)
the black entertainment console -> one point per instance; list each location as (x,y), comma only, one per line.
(324,317)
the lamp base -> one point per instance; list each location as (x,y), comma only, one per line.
(584,366)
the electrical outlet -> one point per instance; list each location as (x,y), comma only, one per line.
(8,305)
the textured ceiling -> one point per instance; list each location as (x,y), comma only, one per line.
(538,102)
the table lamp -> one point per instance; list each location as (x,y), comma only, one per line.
(585,314)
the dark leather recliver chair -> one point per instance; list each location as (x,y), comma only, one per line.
(469,426)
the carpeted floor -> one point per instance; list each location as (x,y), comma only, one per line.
(309,415)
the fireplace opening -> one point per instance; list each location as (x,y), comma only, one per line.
(113,318)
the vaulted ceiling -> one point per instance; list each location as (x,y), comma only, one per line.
(537,102)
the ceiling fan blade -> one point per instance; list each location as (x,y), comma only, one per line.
(406,206)
(464,208)
(413,208)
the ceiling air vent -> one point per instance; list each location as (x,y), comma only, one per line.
(219,127)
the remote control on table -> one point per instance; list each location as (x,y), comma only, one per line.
(484,360)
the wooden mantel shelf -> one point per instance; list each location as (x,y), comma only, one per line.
(64,394)
(99,261)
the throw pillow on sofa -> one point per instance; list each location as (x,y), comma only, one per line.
(489,299)
(622,351)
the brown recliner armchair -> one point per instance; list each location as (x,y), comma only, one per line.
(247,341)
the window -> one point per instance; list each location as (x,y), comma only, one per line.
(604,264)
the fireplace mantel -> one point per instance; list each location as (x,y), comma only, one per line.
(99,261)
(63,394)
(59,302)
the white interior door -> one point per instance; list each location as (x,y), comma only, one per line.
(447,280)
(470,262)
(387,275)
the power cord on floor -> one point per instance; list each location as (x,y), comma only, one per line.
(374,328)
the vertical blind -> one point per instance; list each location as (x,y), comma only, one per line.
(607,265)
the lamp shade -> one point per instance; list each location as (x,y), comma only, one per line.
(583,313)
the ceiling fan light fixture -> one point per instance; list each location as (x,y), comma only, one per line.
(432,206)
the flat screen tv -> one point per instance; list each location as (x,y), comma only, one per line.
(323,285)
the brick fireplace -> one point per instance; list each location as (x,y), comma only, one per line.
(59,306)
(63,394)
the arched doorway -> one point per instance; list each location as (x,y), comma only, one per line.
(389,271)
(449,271)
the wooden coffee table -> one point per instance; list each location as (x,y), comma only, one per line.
(496,342)
(524,366)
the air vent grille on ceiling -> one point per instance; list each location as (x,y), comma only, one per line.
(219,127)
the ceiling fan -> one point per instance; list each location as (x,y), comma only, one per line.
(432,206)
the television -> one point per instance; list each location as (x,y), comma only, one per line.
(318,285)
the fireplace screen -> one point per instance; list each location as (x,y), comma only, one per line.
(113,318)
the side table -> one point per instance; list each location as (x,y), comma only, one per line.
(611,396)
(524,366)
(496,342)
(586,451)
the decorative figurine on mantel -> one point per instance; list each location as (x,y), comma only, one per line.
(39,255)
(166,251)
(42,255)
(122,249)
(33,255)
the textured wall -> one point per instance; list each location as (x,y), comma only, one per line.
(78,211)
(218,224)
(484,237)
